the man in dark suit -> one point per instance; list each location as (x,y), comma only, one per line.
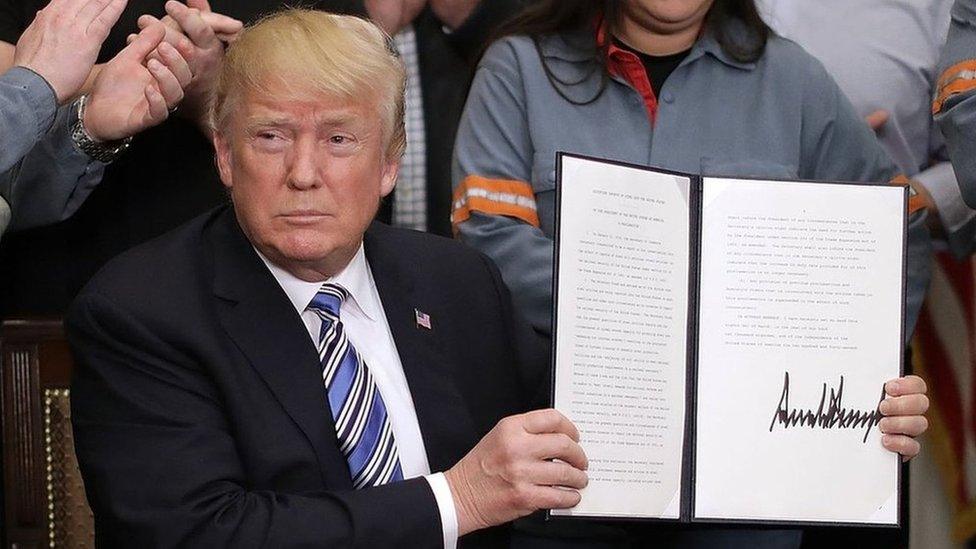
(280,373)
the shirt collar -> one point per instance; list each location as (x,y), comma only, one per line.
(356,278)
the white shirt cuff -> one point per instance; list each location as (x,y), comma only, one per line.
(445,505)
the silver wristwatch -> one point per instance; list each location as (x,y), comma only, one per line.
(103,151)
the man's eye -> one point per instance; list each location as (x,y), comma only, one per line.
(268,136)
(339,139)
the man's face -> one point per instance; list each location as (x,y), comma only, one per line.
(306,177)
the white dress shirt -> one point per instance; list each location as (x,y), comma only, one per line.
(365,324)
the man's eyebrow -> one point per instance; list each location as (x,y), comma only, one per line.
(337,119)
(259,120)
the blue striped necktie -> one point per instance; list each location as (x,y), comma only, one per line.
(362,424)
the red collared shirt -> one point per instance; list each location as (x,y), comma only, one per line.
(627,65)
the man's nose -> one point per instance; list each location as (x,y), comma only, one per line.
(304,167)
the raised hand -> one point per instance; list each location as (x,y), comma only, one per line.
(63,41)
(200,36)
(877,120)
(511,472)
(133,92)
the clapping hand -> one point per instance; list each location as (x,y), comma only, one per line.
(200,36)
(134,92)
(62,43)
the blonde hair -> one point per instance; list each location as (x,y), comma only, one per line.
(296,52)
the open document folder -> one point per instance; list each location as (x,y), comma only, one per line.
(722,344)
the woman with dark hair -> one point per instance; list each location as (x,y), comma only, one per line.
(697,86)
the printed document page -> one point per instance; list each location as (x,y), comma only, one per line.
(800,325)
(621,346)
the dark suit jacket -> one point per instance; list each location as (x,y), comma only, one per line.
(199,412)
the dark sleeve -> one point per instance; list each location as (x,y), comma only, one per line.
(15,16)
(471,38)
(161,468)
(532,349)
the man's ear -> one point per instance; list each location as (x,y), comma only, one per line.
(390,172)
(225,162)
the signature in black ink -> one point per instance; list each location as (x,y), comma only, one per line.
(831,414)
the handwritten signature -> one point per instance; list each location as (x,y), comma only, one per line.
(831,414)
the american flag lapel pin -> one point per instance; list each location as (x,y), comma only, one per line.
(423,319)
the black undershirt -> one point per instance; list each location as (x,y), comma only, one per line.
(658,67)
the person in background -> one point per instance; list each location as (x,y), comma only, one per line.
(697,86)
(53,152)
(440,42)
(955,97)
(884,56)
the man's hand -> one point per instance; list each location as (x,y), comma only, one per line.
(877,120)
(904,409)
(933,221)
(63,41)
(453,13)
(195,31)
(509,474)
(393,15)
(131,94)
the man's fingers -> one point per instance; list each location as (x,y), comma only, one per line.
(103,22)
(877,119)
(545,497)
(171,23)
(559,446)
(908,405)
(900,444)
(555,473)
(201,5)
(912,426)
(192,24)
(175,63)
(221,24)
(169,87)
(549,421)
(174,35)
(157,110)
(69,8)
(145,42)
(87,12)
(905,386)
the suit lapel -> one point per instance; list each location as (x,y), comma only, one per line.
(445,423)
(258,316)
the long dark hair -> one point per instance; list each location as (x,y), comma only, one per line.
(543,17)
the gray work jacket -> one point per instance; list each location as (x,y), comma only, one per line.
(781,117)
(43,177)
(956,96)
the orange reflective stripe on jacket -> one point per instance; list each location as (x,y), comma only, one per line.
(506,197)
(959,78)
(915,200)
